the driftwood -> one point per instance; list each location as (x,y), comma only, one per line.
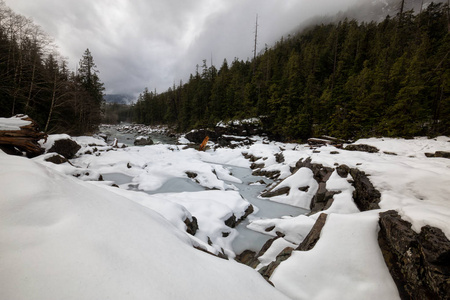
(25,138)
(326,140)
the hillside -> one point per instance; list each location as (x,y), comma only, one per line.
(348,79)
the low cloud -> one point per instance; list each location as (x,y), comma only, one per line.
(150,43)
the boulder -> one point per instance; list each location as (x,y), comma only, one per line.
(418,262)
(65,147)
(197,136)
(143,141)
(56,159)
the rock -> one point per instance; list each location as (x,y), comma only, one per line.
(257,166)
(143,141)
(191,174)
(304,188)
(191,225)
(276,192)
(308,243)
(267,271)
(65,147)
(343,170)
(56,159)
(314,234)
(418,263)
(362,147)
(366,197)
(233,221)
(279,157)
(247,257)
(269,174)
(443,154)
(269,229)
(389,153)
(197,136)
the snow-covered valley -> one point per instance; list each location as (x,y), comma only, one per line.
(125,236)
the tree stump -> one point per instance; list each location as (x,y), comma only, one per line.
(23,133)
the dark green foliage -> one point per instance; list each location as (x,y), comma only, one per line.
(347,79)
(35,81)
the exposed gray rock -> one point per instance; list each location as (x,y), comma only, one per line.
(191,225)
(247,257)
(276,192)
(233,221)
(314,234)
(366,197)
(307,244)
(418,263)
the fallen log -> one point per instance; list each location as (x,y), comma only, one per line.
(23,133)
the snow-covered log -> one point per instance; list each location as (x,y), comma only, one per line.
(23,133)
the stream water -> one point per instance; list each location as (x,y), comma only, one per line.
(249,189)
(264,209)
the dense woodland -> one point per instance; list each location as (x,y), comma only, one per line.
(348,80)
(35,80)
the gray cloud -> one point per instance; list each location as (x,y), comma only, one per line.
(154,43)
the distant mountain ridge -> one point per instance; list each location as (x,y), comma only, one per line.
(119,98)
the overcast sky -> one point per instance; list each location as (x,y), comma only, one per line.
(154,43)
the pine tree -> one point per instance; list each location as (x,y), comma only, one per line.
(90,105)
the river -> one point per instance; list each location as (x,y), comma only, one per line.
(249,189)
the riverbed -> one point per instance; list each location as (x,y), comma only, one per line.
(249,187)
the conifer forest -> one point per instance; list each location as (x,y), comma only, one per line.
(347,79)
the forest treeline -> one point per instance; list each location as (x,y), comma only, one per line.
(35,79)
(347,79)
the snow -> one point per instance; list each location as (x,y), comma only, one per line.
(66,239)
(98,241)
(13,123)
(302,178)
(346,263)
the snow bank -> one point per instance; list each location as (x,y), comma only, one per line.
(346,263)
(66,239)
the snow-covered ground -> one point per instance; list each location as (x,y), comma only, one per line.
(63,237)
